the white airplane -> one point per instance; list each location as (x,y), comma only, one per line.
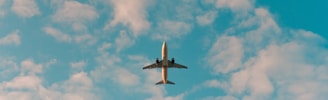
(164,64)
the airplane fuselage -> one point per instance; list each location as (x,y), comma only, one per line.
(164,63)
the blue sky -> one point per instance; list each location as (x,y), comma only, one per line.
(95,50)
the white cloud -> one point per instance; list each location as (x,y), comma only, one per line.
(8,67)
(25,8)
(78,66)
(2,12)
(220,98)
(125,77)
(207,18)
(2,2)
(12,38)
(30,86)
(28,66)
(57,34)
(104,47)
(235,5)
(75,14)
(73,11)
(274,63)
(226,54)
(283,69)
(214,84)
(110,67)
(123,41)
(85,39)
(23,82)
(171,29)
(130,13)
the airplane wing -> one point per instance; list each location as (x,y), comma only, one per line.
(154,65)
(175,65)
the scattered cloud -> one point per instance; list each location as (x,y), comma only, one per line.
(78,66)
(266,65)
(31,86)
(78,87)
(23,82)
(171,29)
(220,98)
(8,66)
(207,18)
(57,34)
(110,67)
(235,5)
(130,13)
(25,8)
(11,38)
(75,14)
(125,77)
(28,66)
(226,54)
(85,39)
(123,41)
(2,12)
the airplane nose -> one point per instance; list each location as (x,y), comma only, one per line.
(164,43)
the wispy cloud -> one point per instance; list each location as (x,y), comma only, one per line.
(110,68)
(11,38)
(130,13)
(169,29)
(267,66)
(235,5)
(75,14)
(78,66)
(85,39)
(123,41)
(2,12)
(8,66)
(28,67)
(226,54)
(207,18)
(125,77)
(31,86)
(57,34)
(25,8)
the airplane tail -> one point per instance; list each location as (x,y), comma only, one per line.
(167,82)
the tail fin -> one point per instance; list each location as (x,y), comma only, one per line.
(167,82)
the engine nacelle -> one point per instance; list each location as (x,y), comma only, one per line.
(172,60)
(157,61)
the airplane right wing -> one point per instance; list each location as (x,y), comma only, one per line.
(175,65)
(154,65)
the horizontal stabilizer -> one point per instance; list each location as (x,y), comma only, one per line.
(160,82)
(167,82)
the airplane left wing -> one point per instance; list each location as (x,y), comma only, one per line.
(175,65)
(154,65)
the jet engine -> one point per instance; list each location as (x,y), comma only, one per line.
(157,61)
(172,60)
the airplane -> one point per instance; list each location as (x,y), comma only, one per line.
(164,64)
